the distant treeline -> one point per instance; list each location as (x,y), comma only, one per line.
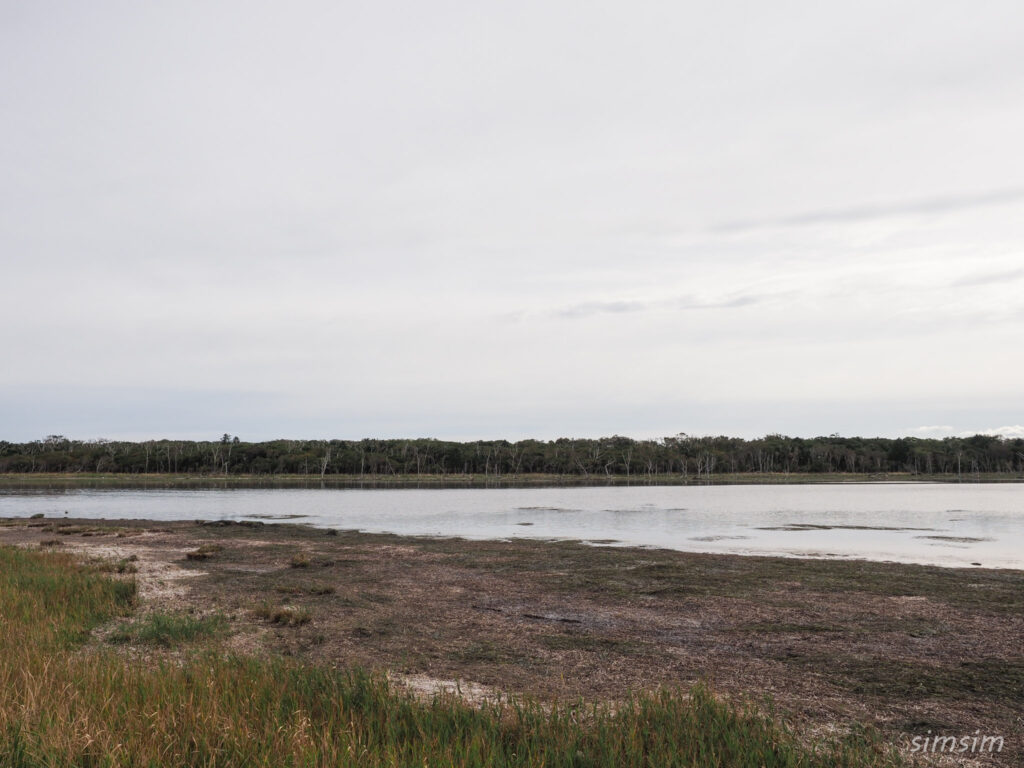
(681,455)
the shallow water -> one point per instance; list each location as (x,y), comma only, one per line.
(941,524)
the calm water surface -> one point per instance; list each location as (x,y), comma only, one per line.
(940,524)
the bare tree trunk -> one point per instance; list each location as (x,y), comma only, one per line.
(325,461)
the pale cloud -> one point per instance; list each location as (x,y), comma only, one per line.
(357,219)
(940,431)
(867,213)
(679,303)
(588,308)
(933,431)
(987,278)
(1014,431)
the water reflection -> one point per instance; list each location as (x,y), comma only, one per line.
(925,523)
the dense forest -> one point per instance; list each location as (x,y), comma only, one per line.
(683,456)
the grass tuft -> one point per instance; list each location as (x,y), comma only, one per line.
(170,629)
(121,565)
(313,588)
(204,552)
(286,615)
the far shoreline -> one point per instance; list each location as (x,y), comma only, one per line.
(74,480)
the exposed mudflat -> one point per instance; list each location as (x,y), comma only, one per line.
(908,648)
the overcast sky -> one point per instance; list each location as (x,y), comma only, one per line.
(510,219)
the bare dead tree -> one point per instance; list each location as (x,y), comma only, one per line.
(325,460)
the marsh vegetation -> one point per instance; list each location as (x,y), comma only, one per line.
(68,702)
(600,649)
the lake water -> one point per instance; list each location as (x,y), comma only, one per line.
(941,524)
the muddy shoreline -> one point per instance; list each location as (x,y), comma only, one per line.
(906,648)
